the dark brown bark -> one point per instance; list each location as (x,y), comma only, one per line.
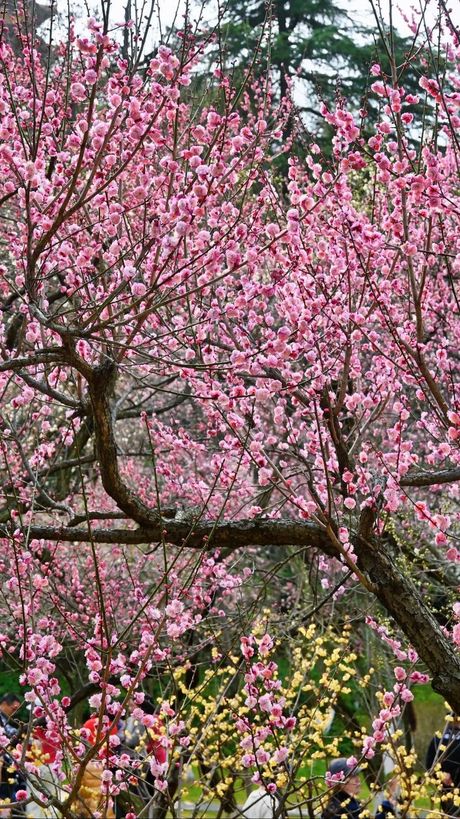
(431,478)
(101,383)
(203,535)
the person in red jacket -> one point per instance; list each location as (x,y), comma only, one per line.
(145,736)
(93,725)
(154,744)
(43,746)
(96,731)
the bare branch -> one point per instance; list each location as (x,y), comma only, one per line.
(46,389)
(431,478)
(204,535)
(38,357)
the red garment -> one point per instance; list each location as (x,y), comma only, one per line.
(154,745)
(92,724)
(47,747)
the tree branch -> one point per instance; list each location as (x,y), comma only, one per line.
(431,478)
(390,583)
(101,383)
(203,535)
(46,389)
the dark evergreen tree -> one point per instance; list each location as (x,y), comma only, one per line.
(316,41)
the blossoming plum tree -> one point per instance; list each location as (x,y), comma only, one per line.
(200,372)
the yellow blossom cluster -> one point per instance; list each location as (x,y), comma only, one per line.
(321,667)
(317,681)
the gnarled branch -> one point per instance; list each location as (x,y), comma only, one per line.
(202,535)
(431,478)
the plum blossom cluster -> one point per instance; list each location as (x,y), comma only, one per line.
(263,744)
(117,667)
(393,701)
(224,279)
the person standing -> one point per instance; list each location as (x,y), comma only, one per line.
(445,750)
(386,802)
(344,802)
(44,783)
(9,704)
(10,779)
(259,805)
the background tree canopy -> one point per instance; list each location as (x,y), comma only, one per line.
(320,46)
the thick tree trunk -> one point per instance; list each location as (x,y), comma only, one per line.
(403,601)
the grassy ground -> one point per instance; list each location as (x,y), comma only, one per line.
(431,715)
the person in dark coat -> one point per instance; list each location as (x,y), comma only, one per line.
(10,779)
(343,803)
(445,750)
(386,801)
